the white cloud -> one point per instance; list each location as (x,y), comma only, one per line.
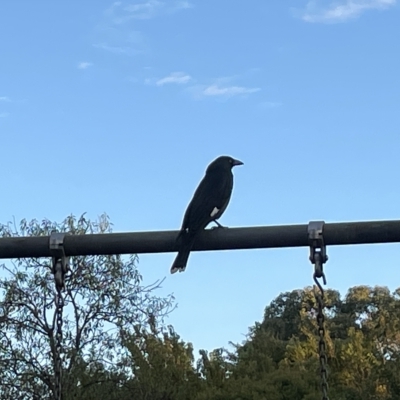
(228,91)
(117,33)
(144,10)
(340,11)
(4,114)
(221,88)
(175,77)
(5,98)
(184,5)
(84,65)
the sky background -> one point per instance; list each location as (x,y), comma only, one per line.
(119,108)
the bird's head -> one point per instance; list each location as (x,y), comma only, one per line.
(224,162)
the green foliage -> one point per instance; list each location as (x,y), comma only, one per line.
(280,361)
(103,295)
(161,365)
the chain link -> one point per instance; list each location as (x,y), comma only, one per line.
(58,348)
(323,359)
(318,258)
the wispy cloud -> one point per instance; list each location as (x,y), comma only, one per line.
(340,11)
(4,114)
(5,99)
(121,13)
(145,10)
(84,65)
(115,37)
(117,31)
(183,5)
(222,88)
(227,91)
(220,91)
(175,77)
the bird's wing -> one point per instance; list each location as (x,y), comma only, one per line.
(209,200)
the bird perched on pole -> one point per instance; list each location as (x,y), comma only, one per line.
(208,204)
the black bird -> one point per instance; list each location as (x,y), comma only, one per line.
(208,203)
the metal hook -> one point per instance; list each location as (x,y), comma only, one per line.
(318,254)
(321,289)
(59,259)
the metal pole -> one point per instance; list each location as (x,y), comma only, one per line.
(343,233)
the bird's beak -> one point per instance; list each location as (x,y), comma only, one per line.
(236,162)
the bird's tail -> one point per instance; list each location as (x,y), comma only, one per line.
(182,257)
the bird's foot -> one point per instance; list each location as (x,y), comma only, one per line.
(219,226)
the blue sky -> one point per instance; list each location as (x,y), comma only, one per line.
(119,108)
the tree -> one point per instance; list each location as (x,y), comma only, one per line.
(103,296)
(362,345)
(161,365)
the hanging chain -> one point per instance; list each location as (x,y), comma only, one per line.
(323,359)
(58,347)
(318,257)
(60,268)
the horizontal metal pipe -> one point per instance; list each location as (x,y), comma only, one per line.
(343,233)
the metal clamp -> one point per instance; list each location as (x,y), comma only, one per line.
(318,255)
(60,260)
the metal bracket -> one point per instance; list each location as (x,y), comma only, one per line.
(60,260)
(318,255)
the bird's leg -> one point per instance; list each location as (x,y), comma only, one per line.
(218,225)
